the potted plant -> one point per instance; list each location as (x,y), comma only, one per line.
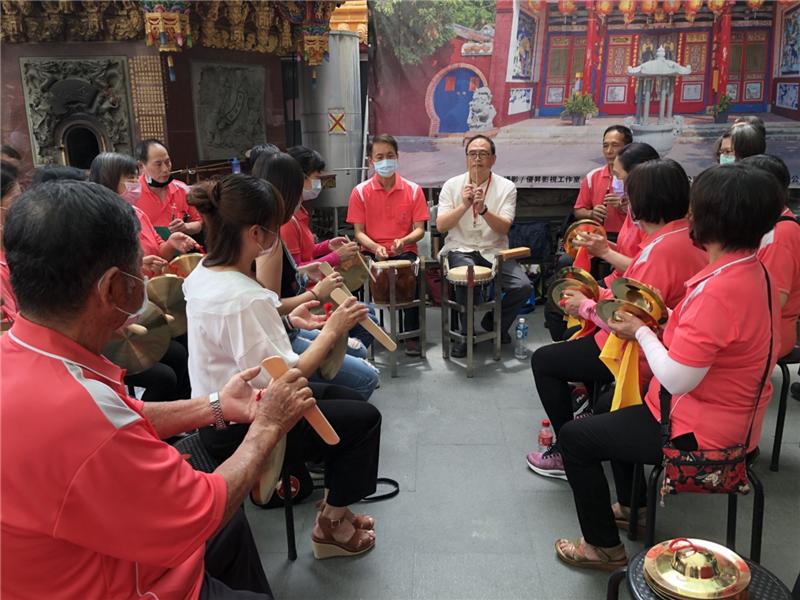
(578,107)
(721,108)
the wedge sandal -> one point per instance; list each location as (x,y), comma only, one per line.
(328,547)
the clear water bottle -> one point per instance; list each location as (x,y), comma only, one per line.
(546,436)
(521,349)
(236,167)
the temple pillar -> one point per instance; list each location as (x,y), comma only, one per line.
(724,50)
(591,39)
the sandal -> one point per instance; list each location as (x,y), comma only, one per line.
(623,521)
(358,521)
(610,559)
(327,547)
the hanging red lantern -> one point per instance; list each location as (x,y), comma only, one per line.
(537,5)
(648,7)
(691,7)
(567,7)
(604,7)
(628,9)
(716,6)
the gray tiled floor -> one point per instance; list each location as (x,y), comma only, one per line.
(471,520)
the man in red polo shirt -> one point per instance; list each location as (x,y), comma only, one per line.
(598,199)
(95,505)
(162,198)
(389,214)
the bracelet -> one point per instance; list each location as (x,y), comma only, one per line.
(289,321)
(484,211)
(216,409)
(313,293)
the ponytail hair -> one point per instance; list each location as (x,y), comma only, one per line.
(230,205)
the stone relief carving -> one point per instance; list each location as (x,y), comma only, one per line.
(481,111)
(228,108)
(61,91)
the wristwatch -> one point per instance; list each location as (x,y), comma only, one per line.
(216,409)
(484,211)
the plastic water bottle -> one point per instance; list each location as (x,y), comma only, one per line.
(236,167)
(546,436)
(521,349)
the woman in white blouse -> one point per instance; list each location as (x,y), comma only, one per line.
(233,321)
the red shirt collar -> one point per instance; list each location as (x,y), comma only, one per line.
(670,227)
(399,184)
(49,342)
(742,256)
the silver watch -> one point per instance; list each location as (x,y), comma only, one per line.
(216,408)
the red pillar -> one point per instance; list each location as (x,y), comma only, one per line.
(591,39)
(724,49)
(601,36)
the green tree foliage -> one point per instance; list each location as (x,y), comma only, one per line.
(415,29)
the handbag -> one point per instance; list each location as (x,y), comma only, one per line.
(712,471)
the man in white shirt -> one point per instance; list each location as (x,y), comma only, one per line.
(476,210)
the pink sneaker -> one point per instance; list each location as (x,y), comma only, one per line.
(547,463)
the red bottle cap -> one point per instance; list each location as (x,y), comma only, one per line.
(545,423)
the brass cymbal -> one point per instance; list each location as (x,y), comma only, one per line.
(559,287)
(354,273)
(582,277)
(691,568)
(607,309)
(185,264)
(642,295)
(577,231)
(166,291)
(138,347)
(333,362)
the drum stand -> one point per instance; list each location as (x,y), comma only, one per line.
(393,307)
(467,311)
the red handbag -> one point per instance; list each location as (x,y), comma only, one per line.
(712,471)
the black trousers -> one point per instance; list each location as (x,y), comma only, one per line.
(351,466)
(233,566)
(625,437)
(168,379)
(516,286)
(410,315)
(557,364)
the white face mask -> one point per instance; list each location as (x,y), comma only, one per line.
(316,188)
(386,167)
(133,316)
(133,190)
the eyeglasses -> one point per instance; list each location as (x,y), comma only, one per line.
(479,154)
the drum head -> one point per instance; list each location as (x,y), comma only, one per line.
(459,274)
(388,264)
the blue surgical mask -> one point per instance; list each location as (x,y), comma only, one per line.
(726,159)
(386,167)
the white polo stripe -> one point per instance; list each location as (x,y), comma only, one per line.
(112,406)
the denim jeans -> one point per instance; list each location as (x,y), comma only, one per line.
(356,373)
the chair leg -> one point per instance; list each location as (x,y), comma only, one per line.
(444,305)
(288,511)
(758,516)
(636,488)
(393,329)
(776,446)
(470,316)
(652,499)
(498,311)
(730,531)
(421,293)
(614,581)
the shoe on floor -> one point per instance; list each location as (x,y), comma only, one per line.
(547,463)
(412,347)
(487,322)
(458,350)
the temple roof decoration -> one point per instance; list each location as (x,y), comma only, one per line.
(280,27)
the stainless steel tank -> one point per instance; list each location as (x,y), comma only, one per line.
(331,101)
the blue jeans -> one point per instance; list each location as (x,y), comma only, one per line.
(356,373)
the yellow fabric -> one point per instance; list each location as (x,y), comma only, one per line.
(622,359)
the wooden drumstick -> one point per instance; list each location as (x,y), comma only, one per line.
(363,263)
(339,296)
(276,367)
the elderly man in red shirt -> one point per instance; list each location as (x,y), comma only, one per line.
(163,198)
(95,505)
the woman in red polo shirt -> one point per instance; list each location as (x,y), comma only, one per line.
(658,191)
(10,192)
(711,361)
